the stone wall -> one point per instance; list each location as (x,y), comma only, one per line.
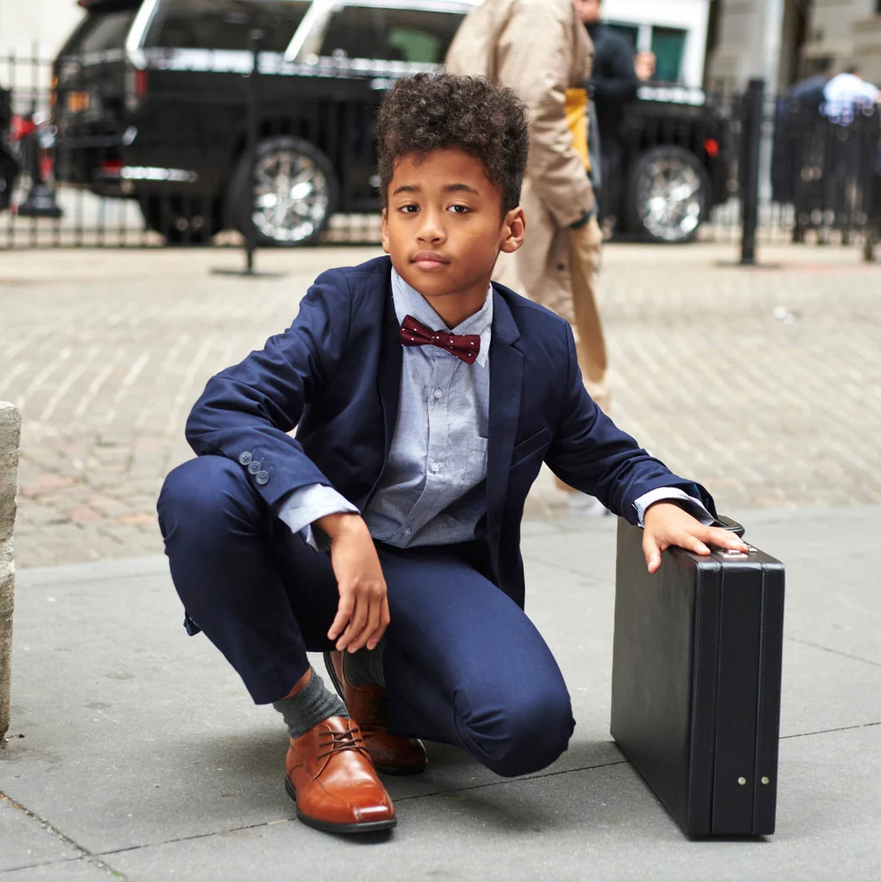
(10,430)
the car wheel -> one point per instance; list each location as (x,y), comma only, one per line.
(668,195)
(182,220)
(291,192)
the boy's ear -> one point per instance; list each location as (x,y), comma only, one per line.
(385,237)
(513,230)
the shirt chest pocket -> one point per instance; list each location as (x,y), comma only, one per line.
(474,466)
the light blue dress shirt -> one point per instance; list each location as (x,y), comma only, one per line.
(433,489)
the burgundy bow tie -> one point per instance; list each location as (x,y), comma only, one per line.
(464,346)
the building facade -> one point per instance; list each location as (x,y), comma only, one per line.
(675,31)
(36,25)
(814,35)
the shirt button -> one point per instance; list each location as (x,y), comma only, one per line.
(262,478)
(435,467)
(245,458)
(438,393)
(254,466)
(407,532)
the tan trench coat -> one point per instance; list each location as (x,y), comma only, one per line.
(540,49)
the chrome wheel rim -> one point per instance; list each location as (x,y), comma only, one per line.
(671,199)
(291,196)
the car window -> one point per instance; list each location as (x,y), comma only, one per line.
(104,30)
(355,32)
(419,36)
(225,24)
(413,35)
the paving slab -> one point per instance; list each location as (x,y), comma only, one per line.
(602,825)
(142,756)
(82,870)
(27,842)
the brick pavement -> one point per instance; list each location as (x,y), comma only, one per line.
(765,384)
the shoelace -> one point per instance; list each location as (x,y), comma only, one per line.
(340,741)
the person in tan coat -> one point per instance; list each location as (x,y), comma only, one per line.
(540,49)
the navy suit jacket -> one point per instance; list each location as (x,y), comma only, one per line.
(335,375)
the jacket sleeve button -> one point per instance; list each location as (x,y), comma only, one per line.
(245,457)
(262,478)
(254,466)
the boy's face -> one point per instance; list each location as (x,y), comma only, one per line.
(444,229)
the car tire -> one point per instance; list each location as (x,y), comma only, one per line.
(191,220)
(292,190)
(668,195)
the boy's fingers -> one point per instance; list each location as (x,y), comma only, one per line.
(652,552)
(691,542)
(370,626)
(726,539)
(355,628)
(344,613)
(384,619)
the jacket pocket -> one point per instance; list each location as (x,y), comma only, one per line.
(539,441)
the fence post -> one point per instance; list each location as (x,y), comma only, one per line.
(749,169)
(10,432)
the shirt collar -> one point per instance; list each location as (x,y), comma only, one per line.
(408,301)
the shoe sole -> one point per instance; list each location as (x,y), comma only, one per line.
(399,771)
(330,826)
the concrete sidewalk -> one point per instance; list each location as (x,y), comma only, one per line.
(135,753)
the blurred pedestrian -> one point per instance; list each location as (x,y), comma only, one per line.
(645,64)
(613,83)
(846,93)
(539,49)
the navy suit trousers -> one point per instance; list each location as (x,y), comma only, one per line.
(463,663)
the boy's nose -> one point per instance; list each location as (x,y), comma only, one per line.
(431,229)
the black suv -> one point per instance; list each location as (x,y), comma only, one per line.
(678,157)
(152,102)
(155,98)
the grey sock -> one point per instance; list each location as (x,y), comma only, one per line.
(364,667)
(309,707)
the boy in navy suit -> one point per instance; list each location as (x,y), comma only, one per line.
(386,532)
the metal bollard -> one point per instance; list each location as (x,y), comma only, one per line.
(749,169)
(10,434)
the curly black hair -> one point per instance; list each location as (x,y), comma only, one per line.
(440,111)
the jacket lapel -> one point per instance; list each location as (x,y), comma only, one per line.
(389,378)
(505,387)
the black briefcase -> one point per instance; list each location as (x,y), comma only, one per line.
(696,682)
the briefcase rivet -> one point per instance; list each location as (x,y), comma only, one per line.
(741,781)
(766,780)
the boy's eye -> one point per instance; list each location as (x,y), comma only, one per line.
(409,209)
(459,209)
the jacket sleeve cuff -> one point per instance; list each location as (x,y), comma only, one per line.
(673,494)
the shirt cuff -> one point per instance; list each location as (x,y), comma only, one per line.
(673,494)
(306,505)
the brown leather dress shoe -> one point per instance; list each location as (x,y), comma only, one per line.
(332,779)
(391,754)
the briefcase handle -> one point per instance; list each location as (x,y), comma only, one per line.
(729,524)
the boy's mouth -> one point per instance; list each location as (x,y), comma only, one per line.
(429,260)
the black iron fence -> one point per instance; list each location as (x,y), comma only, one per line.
(145,159)
(800,171)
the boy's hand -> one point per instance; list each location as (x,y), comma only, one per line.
(667,524)
(363,613)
